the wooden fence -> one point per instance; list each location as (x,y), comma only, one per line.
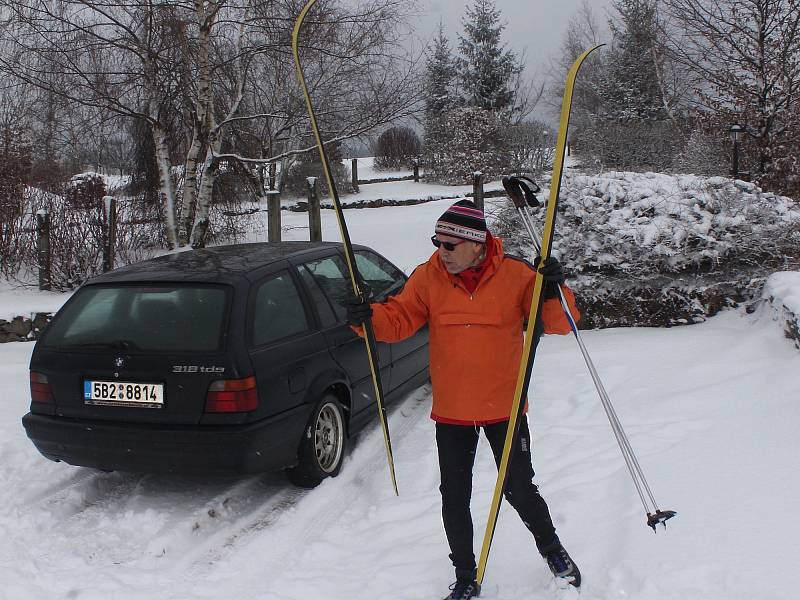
(43,231)
(109,221)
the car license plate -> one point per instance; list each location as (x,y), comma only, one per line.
(123,393)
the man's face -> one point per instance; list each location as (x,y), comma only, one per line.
(465,254)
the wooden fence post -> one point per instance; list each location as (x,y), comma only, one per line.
(273,216)
(416,170)
(477,189)
(314,217)
(354,173)
(109,231)
(43,248)
(272,171)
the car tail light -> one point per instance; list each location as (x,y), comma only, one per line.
(40,388)
(232,395)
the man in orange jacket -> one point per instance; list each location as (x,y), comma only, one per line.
(475,300)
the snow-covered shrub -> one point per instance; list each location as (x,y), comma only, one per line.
(397,147)
(673,248)
(531,147)
(641,224)
(76,237)
(234,211)
(295,182)
(780,293)
(472,140)
(703,154)
(631,144)
(785,176)
(15,167)
(85,190)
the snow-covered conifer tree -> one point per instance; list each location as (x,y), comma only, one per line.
(440,92)
(486,70)
(634,91)
(440,76)
(628,106)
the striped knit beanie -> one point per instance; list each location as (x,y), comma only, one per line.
(463,220)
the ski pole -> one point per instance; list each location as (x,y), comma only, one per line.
(524,198)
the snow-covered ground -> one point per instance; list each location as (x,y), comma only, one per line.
(711,410)
(367,170)
(394,190)
(16,300)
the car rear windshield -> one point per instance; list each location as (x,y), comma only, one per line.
(150,317)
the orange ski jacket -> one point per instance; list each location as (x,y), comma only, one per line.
(476,338)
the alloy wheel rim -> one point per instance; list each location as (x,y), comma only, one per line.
(328,437)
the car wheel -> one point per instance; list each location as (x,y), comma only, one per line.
(322,448)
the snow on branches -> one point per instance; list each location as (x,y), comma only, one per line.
(472,140)
(655,249)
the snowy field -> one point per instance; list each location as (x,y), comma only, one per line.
(394,190)
(712,411)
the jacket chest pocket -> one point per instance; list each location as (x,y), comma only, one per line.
(469,320)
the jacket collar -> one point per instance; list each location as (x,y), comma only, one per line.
(491,268)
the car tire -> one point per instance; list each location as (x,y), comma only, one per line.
(322,448)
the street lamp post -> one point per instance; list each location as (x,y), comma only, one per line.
(736,132)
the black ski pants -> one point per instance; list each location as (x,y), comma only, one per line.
(456,445)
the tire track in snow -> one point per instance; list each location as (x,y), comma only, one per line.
(314,510)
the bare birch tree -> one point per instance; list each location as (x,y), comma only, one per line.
(745,57)
(358,72)
(222,71)
(119,57)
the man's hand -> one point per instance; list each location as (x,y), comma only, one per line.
(358,311)
(552,273)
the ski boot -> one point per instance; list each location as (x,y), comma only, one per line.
(464,590)
(561,564)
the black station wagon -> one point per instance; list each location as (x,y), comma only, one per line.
(233,359)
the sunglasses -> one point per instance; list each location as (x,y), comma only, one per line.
(449,246)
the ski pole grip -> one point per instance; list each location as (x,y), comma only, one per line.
(530,189)
(364,291)
(514,190)
(522,190)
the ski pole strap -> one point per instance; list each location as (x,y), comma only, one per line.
(660,516)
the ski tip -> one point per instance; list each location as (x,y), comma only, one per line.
(660,516)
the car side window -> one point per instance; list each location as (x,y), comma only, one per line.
(326,315)
(278,311)
(329,273)
(379,274)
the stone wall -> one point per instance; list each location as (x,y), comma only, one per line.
(659,302)
(602,306)
(23,328)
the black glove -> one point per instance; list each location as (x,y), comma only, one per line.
(358,311)
(552,273)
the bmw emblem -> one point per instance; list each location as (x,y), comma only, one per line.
(119,361)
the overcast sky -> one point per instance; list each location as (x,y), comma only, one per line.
(536,26)
(533,26)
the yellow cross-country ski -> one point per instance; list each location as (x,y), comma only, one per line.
(529,348)
(355,278)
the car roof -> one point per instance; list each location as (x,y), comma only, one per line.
(219,264)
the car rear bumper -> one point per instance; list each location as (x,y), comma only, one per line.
(266,445)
